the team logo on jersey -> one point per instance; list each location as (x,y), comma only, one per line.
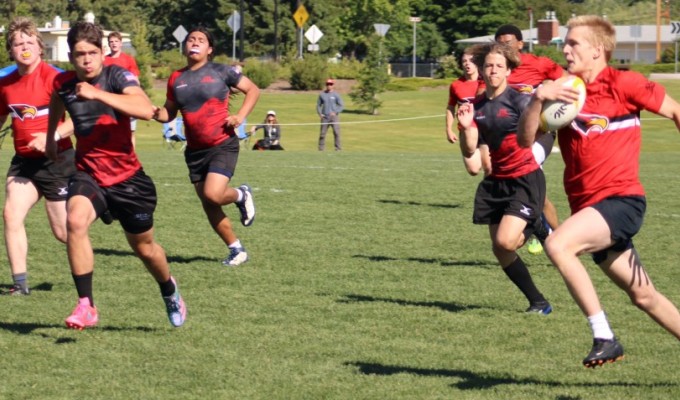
(25,111)
(130,77)
(523,88)
(503,113)
(525,210)
(207,79)
(63,191)
(590,123)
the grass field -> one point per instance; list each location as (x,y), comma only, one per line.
(367,280)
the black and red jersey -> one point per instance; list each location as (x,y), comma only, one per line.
(104,146)
(497,120)
(203,98)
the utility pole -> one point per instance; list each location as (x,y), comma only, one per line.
(276,30)
(240,33)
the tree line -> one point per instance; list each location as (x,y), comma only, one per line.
(270,31)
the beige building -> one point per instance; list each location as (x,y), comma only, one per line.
(634,43)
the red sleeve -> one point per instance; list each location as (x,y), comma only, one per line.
(169,93)
(453,100)
(641,92)
(552,70)
(133,65)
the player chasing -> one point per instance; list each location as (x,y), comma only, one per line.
(605,195)
(510,199)
(25,96)
(100,101)
(201,92)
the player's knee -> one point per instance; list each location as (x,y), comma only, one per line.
(643,297)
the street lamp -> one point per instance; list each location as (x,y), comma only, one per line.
(415,20)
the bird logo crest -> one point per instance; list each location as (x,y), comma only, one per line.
(24,111)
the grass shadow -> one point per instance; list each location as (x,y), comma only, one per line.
(171,259)
(42,287)
(448,307)
(421,260)
(417,203)
(470,380)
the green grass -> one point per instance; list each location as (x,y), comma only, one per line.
(367,280)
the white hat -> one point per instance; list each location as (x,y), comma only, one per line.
(271,112)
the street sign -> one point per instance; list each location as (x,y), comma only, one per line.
(313,34)
(675,27)
(301,16)
(180,34)
(381,29)
(234,21)
(414,19)
(635,31)
(312,47)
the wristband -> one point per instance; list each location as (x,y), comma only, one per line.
(57,136)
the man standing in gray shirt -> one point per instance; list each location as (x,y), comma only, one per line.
(329,106)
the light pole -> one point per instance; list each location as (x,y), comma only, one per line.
(531,30)
(415,20)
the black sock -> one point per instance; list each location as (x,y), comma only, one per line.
(84,286)
(167,288)
(519,275)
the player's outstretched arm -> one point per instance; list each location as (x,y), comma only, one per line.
(166,113)
(133,101)
(670,109)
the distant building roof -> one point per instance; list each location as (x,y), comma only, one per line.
(624,34)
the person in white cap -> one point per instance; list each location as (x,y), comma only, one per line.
(272,133)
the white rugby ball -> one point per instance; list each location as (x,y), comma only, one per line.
(557,114)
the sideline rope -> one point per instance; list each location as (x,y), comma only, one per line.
(362,122)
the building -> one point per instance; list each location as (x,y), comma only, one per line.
(634,43)
(54,37)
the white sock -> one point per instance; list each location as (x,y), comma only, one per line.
(600,326)
(236,244)
(240,195)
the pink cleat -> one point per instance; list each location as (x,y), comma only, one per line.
(84,315)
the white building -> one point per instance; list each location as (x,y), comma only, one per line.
(54,36)
(634,43)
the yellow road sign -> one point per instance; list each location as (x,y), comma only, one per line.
(301,16)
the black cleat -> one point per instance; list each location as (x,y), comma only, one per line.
(18,290)
(542,307)
(604,351)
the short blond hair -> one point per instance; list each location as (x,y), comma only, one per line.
(27,27)
(602,32)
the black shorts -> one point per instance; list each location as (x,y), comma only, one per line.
(522,197)
(132,201)
(624,217)
(49,177)
(220,159)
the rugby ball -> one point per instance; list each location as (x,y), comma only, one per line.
(557,114)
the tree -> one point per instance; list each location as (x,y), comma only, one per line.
(373,77)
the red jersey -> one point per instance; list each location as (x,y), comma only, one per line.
(533,71)
(104,147)
(26,99)
(203,98)
(463,90)
(601,147)
(123,60)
